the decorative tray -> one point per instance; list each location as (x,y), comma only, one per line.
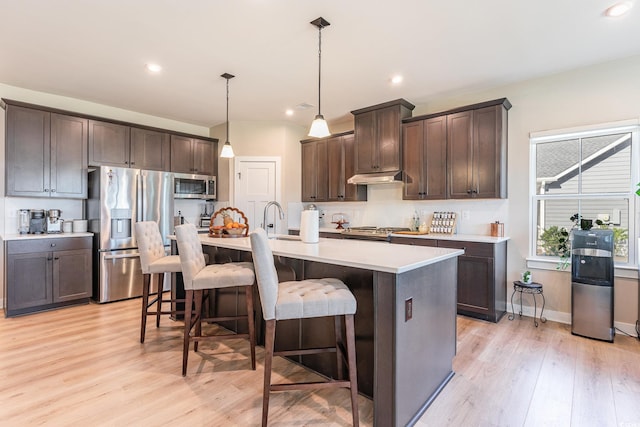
(234,223)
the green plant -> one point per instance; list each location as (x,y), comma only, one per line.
(526,276)
(620,241)
(554,241)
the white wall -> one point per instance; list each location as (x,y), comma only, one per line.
(267,139)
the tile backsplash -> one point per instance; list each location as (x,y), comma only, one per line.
(385,207)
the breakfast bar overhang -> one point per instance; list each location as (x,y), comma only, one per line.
(406,318)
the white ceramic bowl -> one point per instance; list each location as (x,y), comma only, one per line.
(67,226)
(80,225)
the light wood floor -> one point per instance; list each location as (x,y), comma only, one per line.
(84,366)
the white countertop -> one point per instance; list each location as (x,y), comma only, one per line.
(455,237)
(368,255)
(17,236)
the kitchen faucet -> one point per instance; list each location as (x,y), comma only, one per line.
(266,209)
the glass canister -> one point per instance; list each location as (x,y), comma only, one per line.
(24,215)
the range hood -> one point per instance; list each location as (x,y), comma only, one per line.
(376,178)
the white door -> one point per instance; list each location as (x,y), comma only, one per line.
(256,182)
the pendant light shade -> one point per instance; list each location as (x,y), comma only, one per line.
(227,150)
(319,127)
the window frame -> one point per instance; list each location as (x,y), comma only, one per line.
(628,269)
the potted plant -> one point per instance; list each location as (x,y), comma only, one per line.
(526,277)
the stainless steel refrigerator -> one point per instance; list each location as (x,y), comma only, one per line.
(118,198)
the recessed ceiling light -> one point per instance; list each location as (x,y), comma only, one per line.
(396,79)
(289,112)
(154,68)
(618,9)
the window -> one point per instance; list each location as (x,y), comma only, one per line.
(590,172)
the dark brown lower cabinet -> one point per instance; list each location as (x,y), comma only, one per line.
(47,273)
(482,275)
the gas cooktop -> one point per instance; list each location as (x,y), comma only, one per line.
(371,232)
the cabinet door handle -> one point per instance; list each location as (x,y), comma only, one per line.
(46,190)
(53,245)
(133,163)
(468,191)
(126,163)
(50,258)
(56,258)
(53,190)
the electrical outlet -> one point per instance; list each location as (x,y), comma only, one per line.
(408,309)
(465,214)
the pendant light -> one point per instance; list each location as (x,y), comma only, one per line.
(319,128)
(227,151)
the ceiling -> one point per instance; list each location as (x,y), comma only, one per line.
(97,51)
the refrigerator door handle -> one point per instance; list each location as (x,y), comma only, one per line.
(139,198)
(121,256)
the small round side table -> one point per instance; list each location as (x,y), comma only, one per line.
(532,288)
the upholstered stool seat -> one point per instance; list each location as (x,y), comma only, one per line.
(154,260)
(302,300)
(198,278)
(314,298)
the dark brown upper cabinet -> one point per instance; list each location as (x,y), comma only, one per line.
(193,155)
(46,153)
(471,141)
(477,153)
(150,149)
(378,146)
(340,152)
(315,182)
(109,144)
(424,151)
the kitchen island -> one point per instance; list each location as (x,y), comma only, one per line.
(405,322)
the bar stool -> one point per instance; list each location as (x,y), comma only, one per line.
(154,260)
(300,300)
(199,277)
(532,288)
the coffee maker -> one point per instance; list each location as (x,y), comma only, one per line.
(54,222)
(37,222)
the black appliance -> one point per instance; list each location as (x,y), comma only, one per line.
(592,273)
(37,222)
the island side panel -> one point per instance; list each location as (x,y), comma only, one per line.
(425,344)
(384,285)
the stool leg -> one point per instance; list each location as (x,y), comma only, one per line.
(269,340)
(353,374)
(145,301)
(187,329)
(248,290)
(197,300)
(513,312)
(520,312)
(535,309)
(339,340)
(159,303)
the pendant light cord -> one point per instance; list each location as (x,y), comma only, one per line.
(227,111)
(319,64)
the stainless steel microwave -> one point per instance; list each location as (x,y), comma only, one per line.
(188,186)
